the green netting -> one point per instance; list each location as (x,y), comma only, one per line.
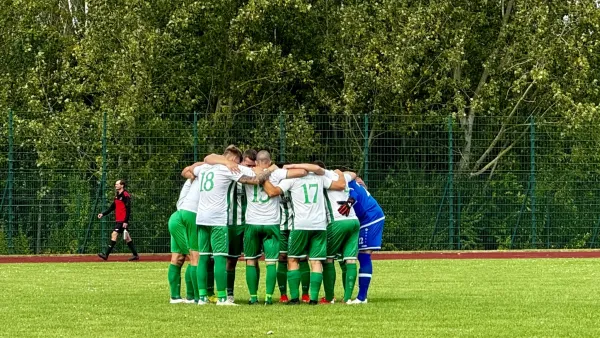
(526,184)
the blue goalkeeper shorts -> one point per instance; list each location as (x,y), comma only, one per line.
(371,235)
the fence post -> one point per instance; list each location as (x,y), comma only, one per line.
(450,186)
(10,181)
(281,136)
(366,152)
(195,136)
(103,179)
(532,184)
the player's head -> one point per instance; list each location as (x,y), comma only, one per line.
(233,154)
(320,163)
(249,158)
(120,185)
(263,159)
(281,164)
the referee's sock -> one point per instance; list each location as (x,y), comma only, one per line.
(365,272)
(132,248)
(110,248)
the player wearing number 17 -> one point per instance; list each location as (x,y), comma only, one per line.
(309,231)
(216,181)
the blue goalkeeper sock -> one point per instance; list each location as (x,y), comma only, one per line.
(364,275)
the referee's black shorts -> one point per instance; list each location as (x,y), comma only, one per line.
(119,227)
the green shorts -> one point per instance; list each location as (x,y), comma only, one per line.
(261,236)
(284,236)
(213,240)
(342,239)
(236,240)
(189,219)
(178,232)
(311,242)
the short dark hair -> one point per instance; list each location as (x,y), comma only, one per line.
(232,149)
(320,163)
(281,164)
(250,153)
(123,182)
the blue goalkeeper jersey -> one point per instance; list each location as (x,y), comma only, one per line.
(366,207)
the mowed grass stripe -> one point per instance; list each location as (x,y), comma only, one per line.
(418,298)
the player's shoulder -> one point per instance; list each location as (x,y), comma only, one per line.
(126,194)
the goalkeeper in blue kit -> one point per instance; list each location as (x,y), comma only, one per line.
(371,218)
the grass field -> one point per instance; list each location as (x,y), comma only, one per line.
(411,298)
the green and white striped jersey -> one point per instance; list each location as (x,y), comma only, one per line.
(333,196)
(287,212)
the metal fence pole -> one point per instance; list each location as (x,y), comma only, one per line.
(195,136)
(103,179)
(281,136)
(366,152)
(450,187)
(532,185)
(10,181)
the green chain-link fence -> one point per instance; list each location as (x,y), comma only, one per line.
(444,183)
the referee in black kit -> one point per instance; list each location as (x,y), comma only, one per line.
(122,207)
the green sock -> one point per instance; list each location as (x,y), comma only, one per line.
(193,274)
(349,281)
(257,274)
(282,277)
(221,276)
(230,282)
(343,268)
(252,282)
(201,273)
(175,280)
(305,278)
(329,280)
(210,278)
(271,280)
(189,284)
(293,277)
(315,285)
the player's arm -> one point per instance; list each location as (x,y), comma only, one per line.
(345,206)
(296,173)
(271,190)
(220,159)
(188,172)
(108,211)
(313,168)
(255,180)
(340,183)
(352,175)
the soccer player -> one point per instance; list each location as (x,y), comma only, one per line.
(122,207)
(262,227)
(308,234)
(216,184)
(237,226)
(371,218)
(182,228)
(342,238)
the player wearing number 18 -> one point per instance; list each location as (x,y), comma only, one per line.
(308,234)
(212,218)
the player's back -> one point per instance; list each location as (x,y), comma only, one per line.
(334,196)
(215,187)
(366,207)
(189,202)
(308,202)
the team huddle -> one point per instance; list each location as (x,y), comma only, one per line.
(299,215)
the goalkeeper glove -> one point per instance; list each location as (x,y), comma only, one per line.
(345,206)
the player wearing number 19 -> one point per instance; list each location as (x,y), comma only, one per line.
(262,227)
(212,218)
(308,234)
